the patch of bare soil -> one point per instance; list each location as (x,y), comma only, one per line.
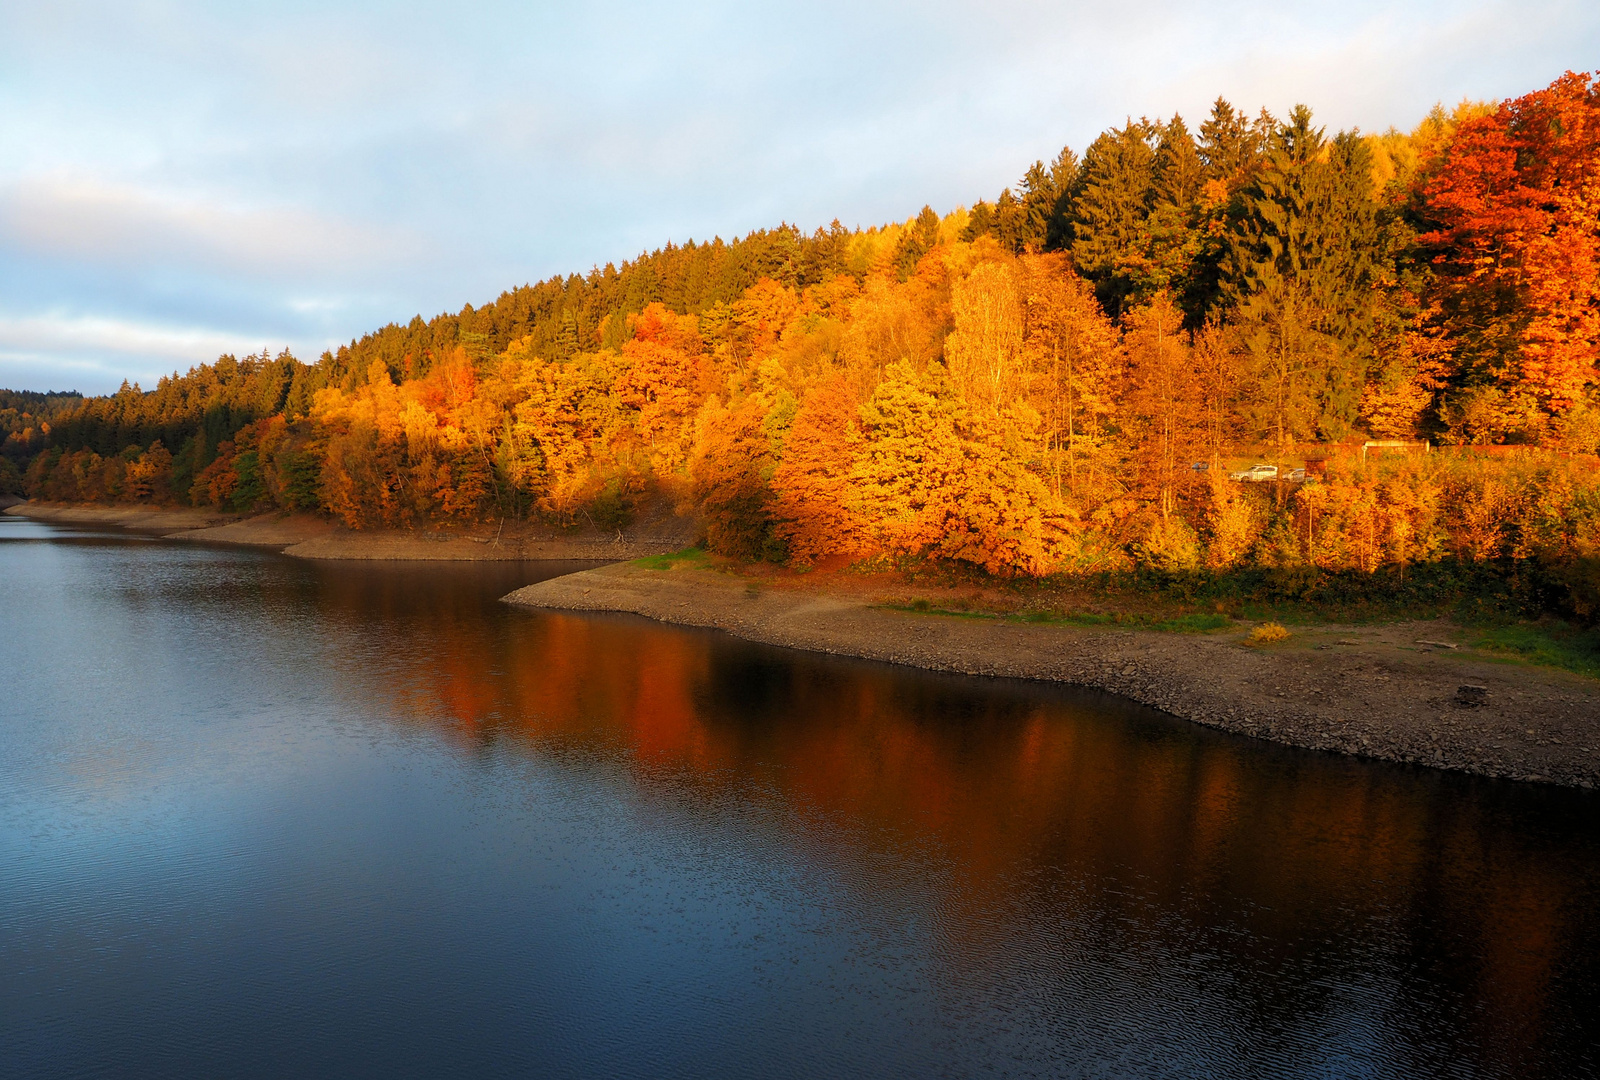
(1397,692)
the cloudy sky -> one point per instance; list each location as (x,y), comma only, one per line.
(179,180)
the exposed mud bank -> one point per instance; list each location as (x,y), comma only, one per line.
(312,537)
(136,518)
(1378,691)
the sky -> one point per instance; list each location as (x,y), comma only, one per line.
(179,180)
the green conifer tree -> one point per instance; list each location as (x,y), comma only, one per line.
(1179,170)
(980,222)
(1116,195)
(1227,148)
(921,238)
(1301,259)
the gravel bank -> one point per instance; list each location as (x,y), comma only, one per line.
(1392,692)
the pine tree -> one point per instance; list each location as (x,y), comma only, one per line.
(920,238)
(1035,219)
(1171,238)
(1010,221)
(1228,148)
(1043,191)
(1179,170)
(1115,198)
(980,222)
(1301,260)
(1066,173)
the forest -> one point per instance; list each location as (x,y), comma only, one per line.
(1056,380)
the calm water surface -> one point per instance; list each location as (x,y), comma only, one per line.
(261,817)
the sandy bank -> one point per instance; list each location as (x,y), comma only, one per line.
(311,537)
(1374,691)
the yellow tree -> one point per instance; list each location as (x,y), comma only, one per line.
(938,477)
(661,384)
(1217,367)
(812,482)
(1074,355)
(984,351)
(730,469)
(571,416)
(892,321)
(1165,399)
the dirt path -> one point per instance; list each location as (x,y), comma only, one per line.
(1381,692)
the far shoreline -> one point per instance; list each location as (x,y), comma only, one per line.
(309,536)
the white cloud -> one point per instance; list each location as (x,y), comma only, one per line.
(33,337)
(191,175)
(92,220)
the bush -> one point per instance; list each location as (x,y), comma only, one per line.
(1267,633)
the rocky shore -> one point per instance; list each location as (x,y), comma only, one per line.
(308,536)
(1403,692)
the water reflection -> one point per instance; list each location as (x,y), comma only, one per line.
(1325,902)
(873,871)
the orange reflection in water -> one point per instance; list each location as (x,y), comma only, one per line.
(1077,811)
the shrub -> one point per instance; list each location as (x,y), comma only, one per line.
(1267,633)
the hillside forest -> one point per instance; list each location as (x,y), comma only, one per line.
(1057,380)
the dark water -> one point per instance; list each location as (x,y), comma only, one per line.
(261,817)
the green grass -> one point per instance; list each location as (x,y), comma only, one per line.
(1196,623)
(1549,644)
(1077,618)
(691,557)
(1496,592)
(1193,623)
(923,607)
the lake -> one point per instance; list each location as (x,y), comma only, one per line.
(266,817)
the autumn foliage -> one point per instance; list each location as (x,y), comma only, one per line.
(1057,381)
(1514,207)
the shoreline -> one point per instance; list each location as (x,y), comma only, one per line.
(308,536)
(1389,692)
(1386,692)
